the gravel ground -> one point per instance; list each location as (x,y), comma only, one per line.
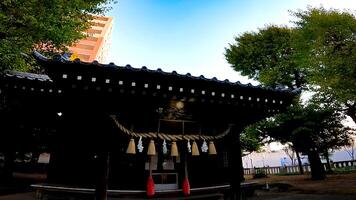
(22,196)
(291,196)
(337,184)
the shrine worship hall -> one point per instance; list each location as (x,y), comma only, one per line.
(131,133)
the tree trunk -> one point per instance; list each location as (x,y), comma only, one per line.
(328,165)
(353,116)
(351,111)
(297,79)
(317,168)
(300,164)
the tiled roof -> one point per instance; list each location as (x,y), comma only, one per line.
(29,76)
(129,68)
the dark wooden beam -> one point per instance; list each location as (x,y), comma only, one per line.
(102,178)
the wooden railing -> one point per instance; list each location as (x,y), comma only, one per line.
(294,169)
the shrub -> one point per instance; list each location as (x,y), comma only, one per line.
(260,173)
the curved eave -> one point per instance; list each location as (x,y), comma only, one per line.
(55,65)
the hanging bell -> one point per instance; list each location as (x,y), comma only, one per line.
(174,149)
(131,148)
(212,149)
(151,148)
(195,150)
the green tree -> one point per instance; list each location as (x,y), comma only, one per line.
(251,140)
(48,26)
(312,130)
(318,53)
(325,43)
(267,56)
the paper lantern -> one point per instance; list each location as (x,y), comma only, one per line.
(150,189)
(131,148)
(212,149)
(174,149)
(151,148)
(195,150)
(186,187)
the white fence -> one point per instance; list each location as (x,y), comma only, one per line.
(295,169)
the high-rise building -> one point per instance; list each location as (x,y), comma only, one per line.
(96,45)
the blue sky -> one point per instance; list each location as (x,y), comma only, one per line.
(190,35)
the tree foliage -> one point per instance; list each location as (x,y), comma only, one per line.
(319,52)
(251,140)
(266,56)
(305,127)
(44,25)
(311,130)
(326,44)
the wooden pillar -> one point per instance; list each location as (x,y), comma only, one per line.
(101,186)
(8,166)
(235,163)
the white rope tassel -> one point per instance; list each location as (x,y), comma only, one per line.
(189,146)
(139,145)
(204,147)
(164,148)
